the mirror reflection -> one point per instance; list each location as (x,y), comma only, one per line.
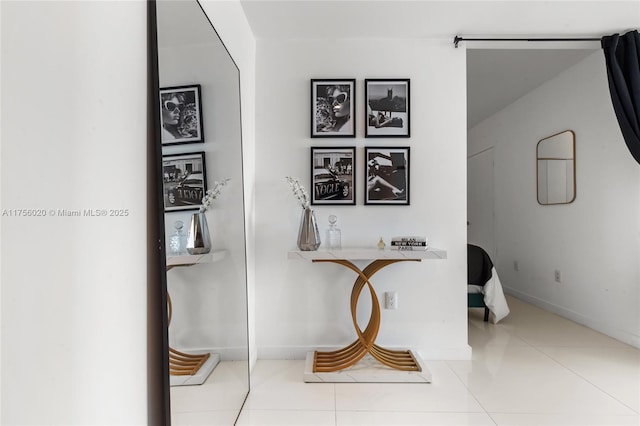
(556,169)
(201,146)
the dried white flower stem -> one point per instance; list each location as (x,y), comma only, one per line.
(212,194)
(299,192)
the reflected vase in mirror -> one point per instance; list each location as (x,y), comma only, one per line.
(198,241)
(308,235)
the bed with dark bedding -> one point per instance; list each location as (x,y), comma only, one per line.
(484,289)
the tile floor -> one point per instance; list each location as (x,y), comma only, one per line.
(215,402)
(533,368)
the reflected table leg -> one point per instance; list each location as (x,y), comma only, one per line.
(351,354)
(180,363)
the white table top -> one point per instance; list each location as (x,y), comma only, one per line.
(355,253)
(192,259)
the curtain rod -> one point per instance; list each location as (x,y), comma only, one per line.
(458,39)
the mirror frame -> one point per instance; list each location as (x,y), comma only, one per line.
(158,396)
(573,169)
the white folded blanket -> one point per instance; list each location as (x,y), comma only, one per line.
(493,297)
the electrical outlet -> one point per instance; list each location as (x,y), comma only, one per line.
(391,300)
(557,275)
(516,266)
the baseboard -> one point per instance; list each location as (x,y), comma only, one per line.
(598,326)
(226,354)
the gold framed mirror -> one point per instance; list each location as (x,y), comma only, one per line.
(556,169)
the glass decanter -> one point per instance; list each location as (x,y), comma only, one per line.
(178,241)
(334,235)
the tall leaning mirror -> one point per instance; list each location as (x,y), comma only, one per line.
(199,108)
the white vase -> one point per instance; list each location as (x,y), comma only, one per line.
(198,241)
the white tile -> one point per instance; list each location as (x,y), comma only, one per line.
(277,371)
(382,418)
(483,335)
(532,368)
(523,310)
(552,330)
(221,391)
(278,385)
(204,418)
(286,418)
(538,327)
(445,393)
(297,396)
(519,379)
(575,419)
(614,370)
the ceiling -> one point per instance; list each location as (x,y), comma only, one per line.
(173,33)
(496,77)
(437,19)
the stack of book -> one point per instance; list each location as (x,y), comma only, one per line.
(409,243)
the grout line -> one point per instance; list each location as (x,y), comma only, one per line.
(581,376)
(469,390)
(335,404)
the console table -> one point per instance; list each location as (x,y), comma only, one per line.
(184,368)
(333,361)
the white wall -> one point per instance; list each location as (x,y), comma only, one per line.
(595,241)
(231,24)
(74,136)
(302,306)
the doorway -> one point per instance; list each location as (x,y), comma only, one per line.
(480,200)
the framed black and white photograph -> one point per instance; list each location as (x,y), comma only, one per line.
(387,180)
(333,108)
(181,115)
(332,175)
(387,113)
(184,181)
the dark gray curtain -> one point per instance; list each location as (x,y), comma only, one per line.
(622,53)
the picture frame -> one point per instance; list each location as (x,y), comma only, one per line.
(333,108)
(333,175)
(184,181)
(387,175)
(388,108)
(181,115)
